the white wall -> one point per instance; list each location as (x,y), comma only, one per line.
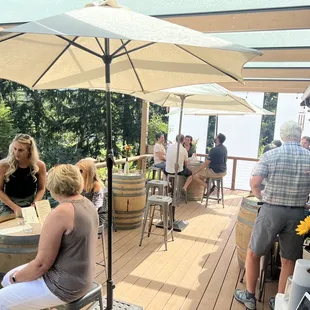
(242,132)
(287,109)
(195,126)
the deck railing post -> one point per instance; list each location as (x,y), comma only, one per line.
(234,172)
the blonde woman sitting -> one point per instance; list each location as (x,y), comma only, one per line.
(22,177)
(93,187)
(64,268)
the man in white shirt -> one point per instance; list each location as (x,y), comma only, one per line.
(171,158)
(160,152)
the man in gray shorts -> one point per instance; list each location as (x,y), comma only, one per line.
(288,185)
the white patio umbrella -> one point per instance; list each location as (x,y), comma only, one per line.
(86,48)
(212,97)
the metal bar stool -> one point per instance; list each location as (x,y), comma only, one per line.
(220,187)
(154,171)
(93,296)
(152,185)
(165,204)
(103,262)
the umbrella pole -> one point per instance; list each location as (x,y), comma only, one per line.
(178,225)
(110,159)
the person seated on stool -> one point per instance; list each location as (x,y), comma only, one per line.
(214,167)
(188,145)
(64,268)
(160,152)
(22,177)
(93,188)
(172,156)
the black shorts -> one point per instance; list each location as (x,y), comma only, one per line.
(186,172)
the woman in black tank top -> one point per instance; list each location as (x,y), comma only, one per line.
(22,177)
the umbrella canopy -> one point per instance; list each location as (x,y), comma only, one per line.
(108,46)
(205,96)
(147,53)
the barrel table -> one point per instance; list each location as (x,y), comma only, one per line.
(17,248)
(129,196)
(246,218)
(195,189)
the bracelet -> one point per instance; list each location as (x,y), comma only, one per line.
(14,278)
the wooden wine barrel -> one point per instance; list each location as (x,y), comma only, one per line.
(195,190)
(18,248)
(128,200)
(246,218)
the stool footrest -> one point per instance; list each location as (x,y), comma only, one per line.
(178,225)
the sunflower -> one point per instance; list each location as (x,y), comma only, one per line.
(304,227)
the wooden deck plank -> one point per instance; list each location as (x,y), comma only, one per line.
(193,299)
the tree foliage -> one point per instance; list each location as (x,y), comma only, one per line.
(71,124)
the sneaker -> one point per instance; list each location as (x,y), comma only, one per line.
(250,303)
(272,302)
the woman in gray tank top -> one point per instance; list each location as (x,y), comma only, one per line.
(64,267)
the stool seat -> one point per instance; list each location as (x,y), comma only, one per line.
(160,199)
(92,296)
(158,182)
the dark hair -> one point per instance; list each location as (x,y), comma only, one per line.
(179,138)
(190,137)
(277,143)
(221,138)
(158,135)
(306,138)
(269,147)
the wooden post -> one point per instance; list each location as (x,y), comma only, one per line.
(144,133)
(234,172)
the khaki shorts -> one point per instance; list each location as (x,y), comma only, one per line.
(209,173)
(277,220)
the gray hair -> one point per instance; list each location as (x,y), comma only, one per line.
(290,131)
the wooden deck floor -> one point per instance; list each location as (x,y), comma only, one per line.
(199,270)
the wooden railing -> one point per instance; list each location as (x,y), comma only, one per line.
(140,159)
(234,169)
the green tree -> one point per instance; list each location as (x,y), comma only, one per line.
(268,121)
(156,125)
(7,130)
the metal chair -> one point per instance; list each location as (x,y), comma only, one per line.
(152,185)
(91,298)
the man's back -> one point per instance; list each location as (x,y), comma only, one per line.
(218,158)
(171,157)
(285,169)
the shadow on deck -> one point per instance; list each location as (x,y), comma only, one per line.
(199,270)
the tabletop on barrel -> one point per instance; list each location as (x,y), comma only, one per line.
(36,228)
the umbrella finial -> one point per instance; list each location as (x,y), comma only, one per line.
(110,3)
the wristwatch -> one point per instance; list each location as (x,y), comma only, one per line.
(14,278)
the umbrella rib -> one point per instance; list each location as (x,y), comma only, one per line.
(134,49)
(12,37)
(237,99)
(52,64)
(133,68)
(102,50)
(85,49)
(120,48)
(228,74)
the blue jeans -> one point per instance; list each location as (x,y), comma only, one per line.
(161,165)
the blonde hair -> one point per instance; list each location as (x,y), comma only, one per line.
(64,180)
(12,163)
(91,173)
